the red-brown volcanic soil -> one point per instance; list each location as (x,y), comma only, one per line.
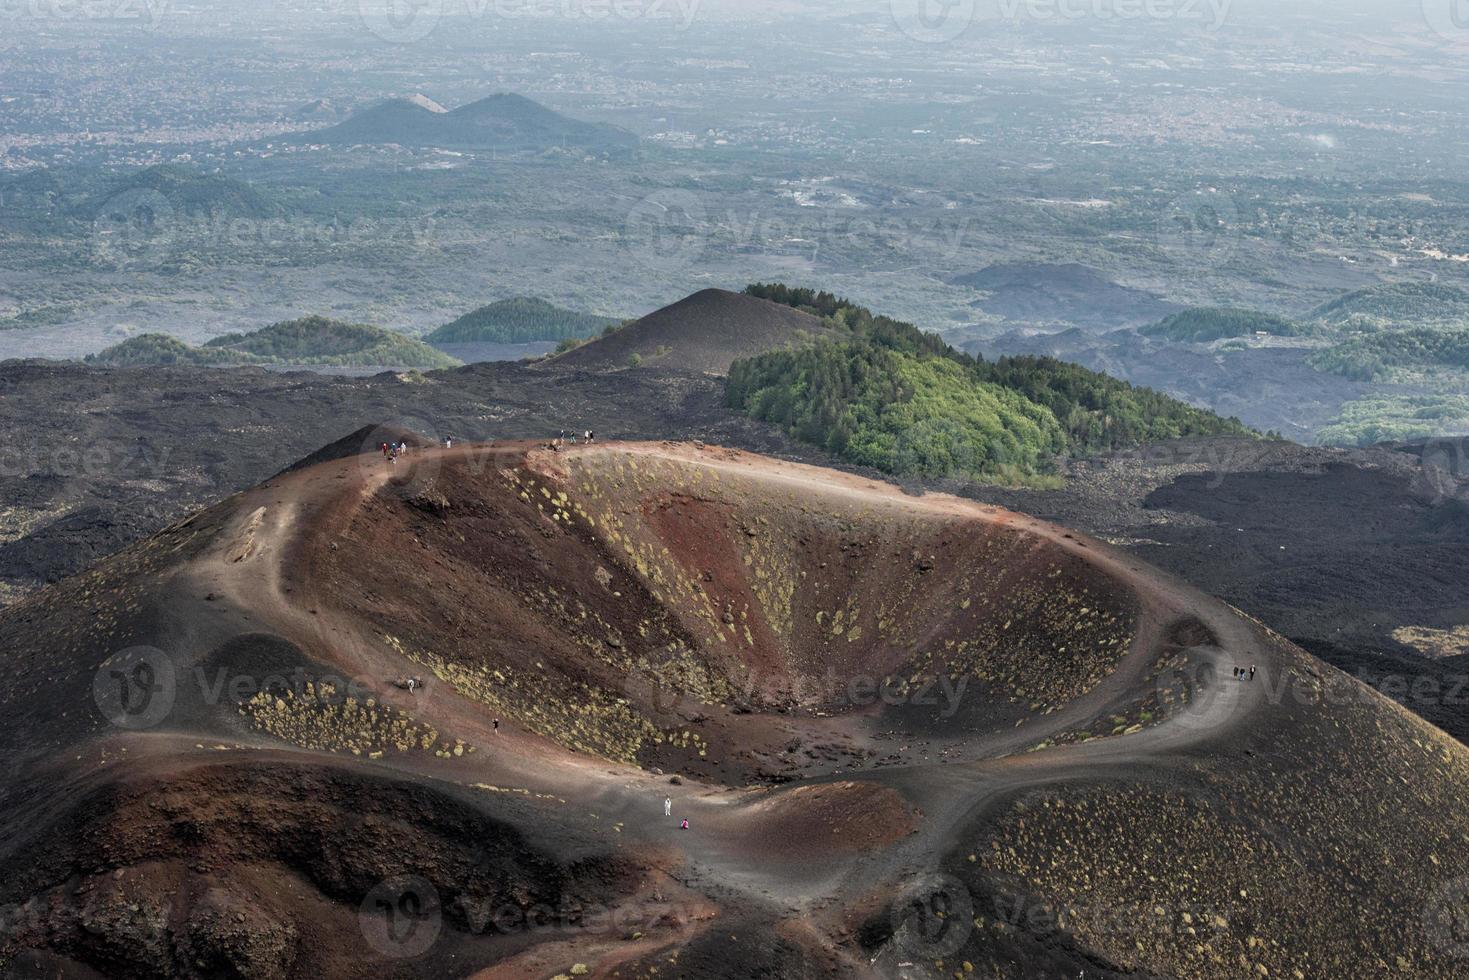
(912,736)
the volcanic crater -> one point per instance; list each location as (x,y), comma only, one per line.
(471,677)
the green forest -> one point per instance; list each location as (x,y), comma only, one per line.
(1396,418)
(1396,304)
(1387,356)
(904,402)
(157,349)
(312,340)
(1203,324)
(519,321)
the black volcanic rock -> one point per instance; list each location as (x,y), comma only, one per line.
(1070,293)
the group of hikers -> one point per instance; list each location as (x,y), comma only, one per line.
(1244,674)
(668,812)
(392,450)
(563,437)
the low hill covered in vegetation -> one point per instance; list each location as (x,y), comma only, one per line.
(1397,355)
(1401,303)
(522,320)
(1204,324)
(890,396)
(1397,418)
(159,350)
(309,341)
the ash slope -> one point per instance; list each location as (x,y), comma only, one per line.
(641,607)
(704,333)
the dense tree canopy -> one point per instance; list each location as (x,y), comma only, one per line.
(1397,303)
(1381,356)
(312,340)
(903,401)
(519,321)
(1202,324)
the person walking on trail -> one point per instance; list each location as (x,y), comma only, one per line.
(1252,671)
(497,726)
(668,807)
(589,437)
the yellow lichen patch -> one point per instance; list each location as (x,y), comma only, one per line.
(1434,643)
(579,717)
(319,717)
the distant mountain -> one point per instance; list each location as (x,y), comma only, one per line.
(522,320)
(705,333)
(1203,324)
(499,122)
(411,121)
(317,109)
(1067,293)
(310,341)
